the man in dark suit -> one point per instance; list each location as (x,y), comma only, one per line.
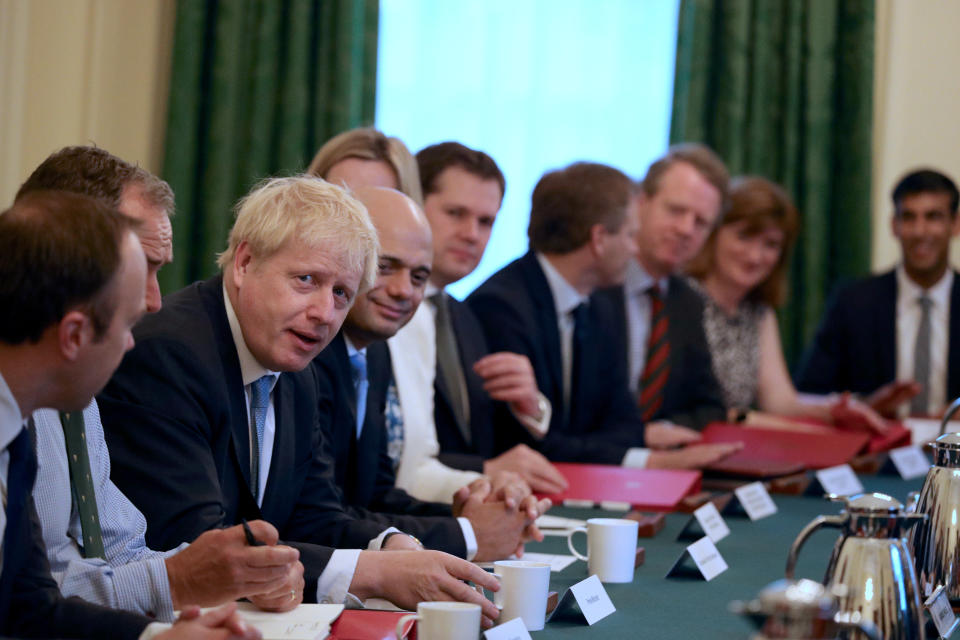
(74,271)
(354,374)
(220,377)
(897,335)
(475,389)
(681,199)
(582,232)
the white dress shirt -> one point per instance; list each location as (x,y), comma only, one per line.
(908,322)
(565,299)
(338,574)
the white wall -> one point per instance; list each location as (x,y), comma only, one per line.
(79,72)
(916,100)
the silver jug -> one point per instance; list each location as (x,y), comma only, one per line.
(873,561)
(800,610)
(936,543)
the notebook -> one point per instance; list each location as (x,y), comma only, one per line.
(620,487)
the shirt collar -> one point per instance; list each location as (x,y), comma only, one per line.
(939,293)
(565,297)
(250,369)
(638,281)
(352,350)
(11,420)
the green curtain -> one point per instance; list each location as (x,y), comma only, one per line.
(256,87)
(784,89)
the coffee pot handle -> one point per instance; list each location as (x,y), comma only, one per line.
(837,522)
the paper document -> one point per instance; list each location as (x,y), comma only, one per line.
(556,562)
(548,521)
(306,622)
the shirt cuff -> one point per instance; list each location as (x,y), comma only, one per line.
(469,537)
(376,543)
(636,458)
(154,629)
(335,580)
(536,427)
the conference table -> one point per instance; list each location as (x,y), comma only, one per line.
(654,607)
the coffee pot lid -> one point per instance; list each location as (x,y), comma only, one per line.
(879,504)
(948,441)
(797,596)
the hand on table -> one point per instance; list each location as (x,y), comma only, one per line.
(888,398)
(663,434)
(849,413)
(695,456)
(532,467)
(219,624)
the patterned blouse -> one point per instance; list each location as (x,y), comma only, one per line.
(734,341)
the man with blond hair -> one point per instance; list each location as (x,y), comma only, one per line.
(220,378)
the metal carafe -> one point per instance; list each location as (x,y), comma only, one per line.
(936,543)
(873,561)
(799,610)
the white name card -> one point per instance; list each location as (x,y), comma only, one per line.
(590,597)
(942,613)
(910,462)
(712,522)
(512,630)
(755,500)
(840,480)
(707,558)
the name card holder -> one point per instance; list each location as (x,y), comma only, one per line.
(840,480)
(512,630)
(908,462)
(706,521)
(941,613)
(699,561)
(587,601)
(751,500)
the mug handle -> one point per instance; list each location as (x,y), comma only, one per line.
(402,622)
(570,543)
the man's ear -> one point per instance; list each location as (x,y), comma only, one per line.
(74,332)
(598,239)
(895,225)
(242,262)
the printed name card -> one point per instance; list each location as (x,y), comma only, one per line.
(706,521)
(911,462)
(756,501)
(941,612)
(840,480)
(707,561)
(512,630)
(590,597)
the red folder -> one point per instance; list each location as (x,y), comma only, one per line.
(361,624)
(897,436)
(812,450)
(643,489)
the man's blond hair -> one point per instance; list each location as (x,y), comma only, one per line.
(310,210)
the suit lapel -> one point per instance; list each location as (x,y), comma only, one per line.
(546,320)
(885,325)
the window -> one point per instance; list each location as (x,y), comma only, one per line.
(537,84)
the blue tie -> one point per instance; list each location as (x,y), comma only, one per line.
(259,400)
(394,420)
(358,367)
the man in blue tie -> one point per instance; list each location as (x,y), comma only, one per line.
(72,276)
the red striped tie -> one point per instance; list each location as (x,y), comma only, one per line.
(656,371)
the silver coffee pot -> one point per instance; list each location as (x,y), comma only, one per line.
(873,561)
(936,543)
(800,610)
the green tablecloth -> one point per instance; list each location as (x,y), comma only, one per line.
(654,607)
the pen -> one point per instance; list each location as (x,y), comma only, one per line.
(251,540)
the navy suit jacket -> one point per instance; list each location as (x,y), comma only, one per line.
(517,311)
(30,601)
(175,417)
(855,347)
(692,396)
(364,472)
(456,449)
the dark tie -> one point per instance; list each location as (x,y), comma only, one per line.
(259,401)
(21,471)
(448,364)
(919,405)
(581,333)
(656,371)
(358,371)
(81,483)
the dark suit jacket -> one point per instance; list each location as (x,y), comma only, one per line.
(855,347)
(176,423)
(692,396)
(30,601)
(517,312)
(456,450)
(364,472)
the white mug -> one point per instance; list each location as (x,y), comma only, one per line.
(444,621)
(611,548)
(523,591)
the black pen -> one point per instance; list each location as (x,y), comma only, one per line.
(251,540)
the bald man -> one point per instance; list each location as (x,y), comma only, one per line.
(355,374)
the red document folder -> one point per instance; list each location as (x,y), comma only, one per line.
(360,624)
(644,489)
(812,450)
(897,436)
